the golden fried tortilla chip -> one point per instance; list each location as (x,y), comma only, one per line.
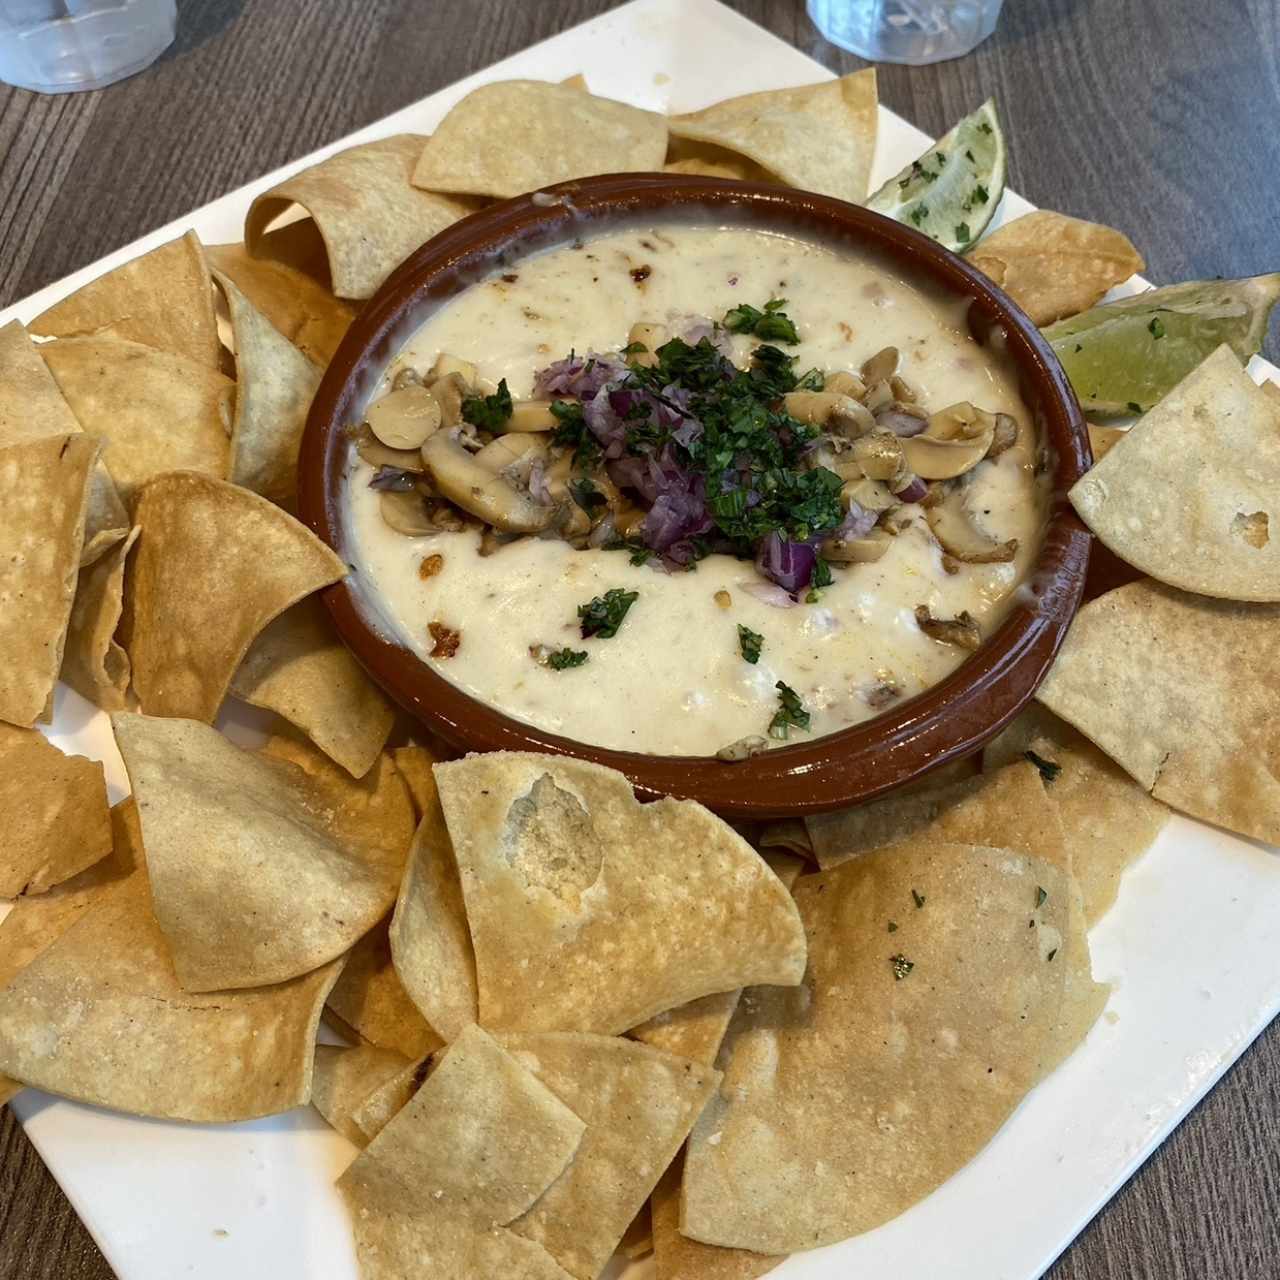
(1103,439)
(344,1079)
(576,81)
(430,938)
(274,386)
(299,669)
(370,1003)
(474,1149)
(789,835)
(100,1017)
(415,764)
(696,1030)
(638,1105)
(1183,692)
(44,494)
(590,911)
(155,411)
(1006,809)
(213,566)
(299,306)
(1111,820)
(364,208)
(55,809)
(850,1098)
(261,870)
(1054,266)
(93,664)
(378,1108)
(162,299)
(820,137)
(515,136)
(1191,495)
(705,158)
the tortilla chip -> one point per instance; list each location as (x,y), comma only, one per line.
(1054,266)
(379,1107)
(299,669)
(274,386)
(1103,439)
(696,1030)
(298,305)
(364,208)
(1191,495)
(590,911)
(35,923)
(214,565)
(576,81)
(847,1100)
(162,299)
(55,809)
(1007,809)
(637,1240)
(344,1078)
(261,870)
(789,835)
(1183,692)
(93,664)
(638,1105)
(31,408)
(676,1257)
(430,938)
(685,156)
(100,1017)
(1111,819)
(515,136)
(415,764)
(155,411)
(370,1003)
(473,1150)
(44,491)
(820,137)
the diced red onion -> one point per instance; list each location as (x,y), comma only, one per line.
(901,424)
(857,523)
(912,491)
(789,564)
(768,592)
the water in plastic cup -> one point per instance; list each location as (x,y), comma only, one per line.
(59,46)
(914,31)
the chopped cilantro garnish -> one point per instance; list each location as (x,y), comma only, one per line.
(1041,897)
(1048,770)
(963,234)
(640,555)
(562,659)
(587,496)
(488,412)
(821,574)
(918,898)
(790,714)
(980,194)
(772,324)
(919,213)
(1156,327)
(633,349)
(901,966)
(603,616)
(574,433)
(750,642)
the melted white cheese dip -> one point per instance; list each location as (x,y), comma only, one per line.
(672,681)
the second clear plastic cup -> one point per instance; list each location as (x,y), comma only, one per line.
(911,31)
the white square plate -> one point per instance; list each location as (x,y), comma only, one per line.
(1190,946)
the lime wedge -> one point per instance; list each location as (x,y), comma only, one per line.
(951,192)
(1122,357)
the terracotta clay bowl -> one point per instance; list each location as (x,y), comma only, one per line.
(949,720)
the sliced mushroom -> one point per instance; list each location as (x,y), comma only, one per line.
(934,458)
(902,390)
(406,513)
(477,490)
(449,391)
(880,455)
(881,366)
(816,407)
(961,630)
(961,421)
(851,418)
(531,415)
(511,451)
(857,550)
(491,540)
(873,495)
(961,539)
(404,419)
(845,383)
(649,336)
(406,377)
(1005,435)
(447,366)
(377,454)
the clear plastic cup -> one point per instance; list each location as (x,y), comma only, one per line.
(912,31)
(60,46)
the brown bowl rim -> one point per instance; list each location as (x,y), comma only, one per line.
(946,722)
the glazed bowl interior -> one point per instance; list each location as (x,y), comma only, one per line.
(949,720)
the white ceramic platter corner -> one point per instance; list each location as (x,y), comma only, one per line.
(1190,947)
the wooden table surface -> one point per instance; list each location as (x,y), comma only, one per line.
(1159,119)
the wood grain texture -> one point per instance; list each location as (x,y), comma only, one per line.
(1157,119)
